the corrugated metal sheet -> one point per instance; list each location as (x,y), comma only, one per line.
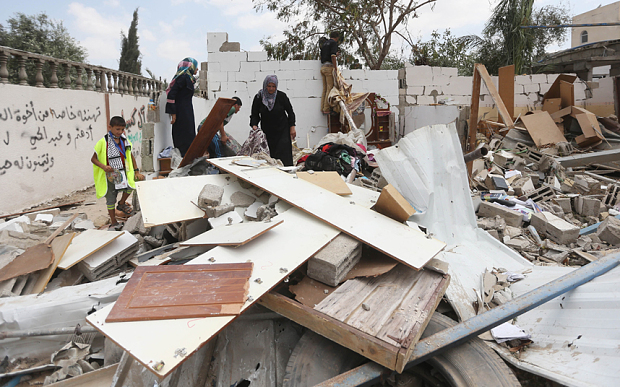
(427,168)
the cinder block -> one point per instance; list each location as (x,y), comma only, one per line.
(210,196)
(333,263)
(586,206)
(250,66)
(148,130)
(286,74)
(241,76)
(289,65)
(357,74)
(609,230)
(433,90)
(544,87)
(531,88)
(490,210)
(564,203)
(237,87)
(220,76)
(213,67)
(215,86)
(539,222)
(310,65)
(415,90)
(313,88)
(450,71)
(459,86)
(419,75)
(425,100)
(539,78)
(561,231)
(440,80)
(257,56)
(270,66)
(215,41)
(523,80)
(391,74)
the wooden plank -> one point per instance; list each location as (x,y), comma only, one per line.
(86,244)
(473,115)
(164,201)
(40,209)
(187,291)
(501,108)
(60,229)
(542,129)
(275,255)
(310,292)
(506,85)
(212,124)
(59,246)
(233,235)
(328,180)
(33,259)
(374,229)
(392,204)
(339,332)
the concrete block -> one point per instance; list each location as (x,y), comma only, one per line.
(433,90)
(241,199)
(459,86)
(523,80)
(564,203)
(215,86)
(415,90)
(313,89)
(425,100)
(135,224)
(539,221)
(310,65)
(214,67)
(440,80)
(237,87)
(289,65)
(609,230)
(490,210)
(586,206)
(230,47)
(214,212)
(544,87)
(257,56)
(419,75)
(242,76)
(221,76)
(450,71)
(561,231)
(539,78)
(270,66)
(455,99)
(286,74)
(215,41)
(391,74)
(249,67)
(377,75)
(531,88)
(210,196)
(334,261)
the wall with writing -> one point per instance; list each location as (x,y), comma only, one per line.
(133,110)
(47,137)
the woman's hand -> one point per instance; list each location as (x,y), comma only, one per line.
(293,133)
(224,138)
(173,118)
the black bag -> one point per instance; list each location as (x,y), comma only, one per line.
(321,161)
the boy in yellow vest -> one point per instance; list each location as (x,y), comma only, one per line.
(114,169)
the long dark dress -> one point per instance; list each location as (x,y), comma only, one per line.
(184,128)
(276,124)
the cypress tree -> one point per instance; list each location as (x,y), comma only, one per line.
(130,52)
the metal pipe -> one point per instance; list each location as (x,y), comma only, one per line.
(459,333)
(47,332)
(575,25)
(478,153)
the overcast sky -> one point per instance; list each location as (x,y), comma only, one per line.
(170,30)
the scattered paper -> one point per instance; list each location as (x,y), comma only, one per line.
(507,332)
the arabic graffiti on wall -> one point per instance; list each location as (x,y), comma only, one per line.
(133,129)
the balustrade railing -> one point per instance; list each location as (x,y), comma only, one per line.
(73,75)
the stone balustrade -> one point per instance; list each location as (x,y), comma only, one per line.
(96,78)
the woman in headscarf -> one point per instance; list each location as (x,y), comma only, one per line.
(273,110)
(179,104)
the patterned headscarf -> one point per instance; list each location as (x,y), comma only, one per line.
(186,66)
(269,99)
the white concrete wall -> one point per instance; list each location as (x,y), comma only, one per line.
(47,137)
(242,73)
(605,14)
(428,85)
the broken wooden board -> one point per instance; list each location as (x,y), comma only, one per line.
(164,201)
(310,292)
(328,180)
(212,124)
(184,291)
(372,264)
(35,258)
(232,235)
(86,244)
(59,247)
(393,205)
(542,129)
(506,86)
(394,308)
(501,108)
(275,255)
(372,228)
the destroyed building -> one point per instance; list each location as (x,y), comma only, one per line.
(235,272)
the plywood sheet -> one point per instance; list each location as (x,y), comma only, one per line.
(232,235)
(59,246)
(328,180)
(567,94)
(542,128)
(275,255)
(86,244)
(33,259)
(310,292)
(164,201)
(392,204)
(185,291)
(506,85)
(117,246)
(374,229)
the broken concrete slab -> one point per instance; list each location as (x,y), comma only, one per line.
(490,210)
(564,203)
(555,228)
(497,223)
(332,264)
(586,185)
(586,206)
(240,199)
(19,239)
(210,196)
(214,212)
(135,224)
(609,230)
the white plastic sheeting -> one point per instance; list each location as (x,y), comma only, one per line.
(576,336)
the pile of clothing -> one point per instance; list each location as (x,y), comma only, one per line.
(335,157)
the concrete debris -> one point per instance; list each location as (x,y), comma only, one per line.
(609,231)
(240,199)
(210,196)
(489,210)
(332,264)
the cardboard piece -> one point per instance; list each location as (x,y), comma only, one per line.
(589,125)
(552,105)
(559,115)
(542,128)
(554,90)
(567,94)
(392,204)
(34,258)
(329,180)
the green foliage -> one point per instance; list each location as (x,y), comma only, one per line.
(369,26)
(38,34)
(446,50)
(130,51)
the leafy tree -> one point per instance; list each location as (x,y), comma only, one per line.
(446,50)
(40,35)
(368,24)
(130,51)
